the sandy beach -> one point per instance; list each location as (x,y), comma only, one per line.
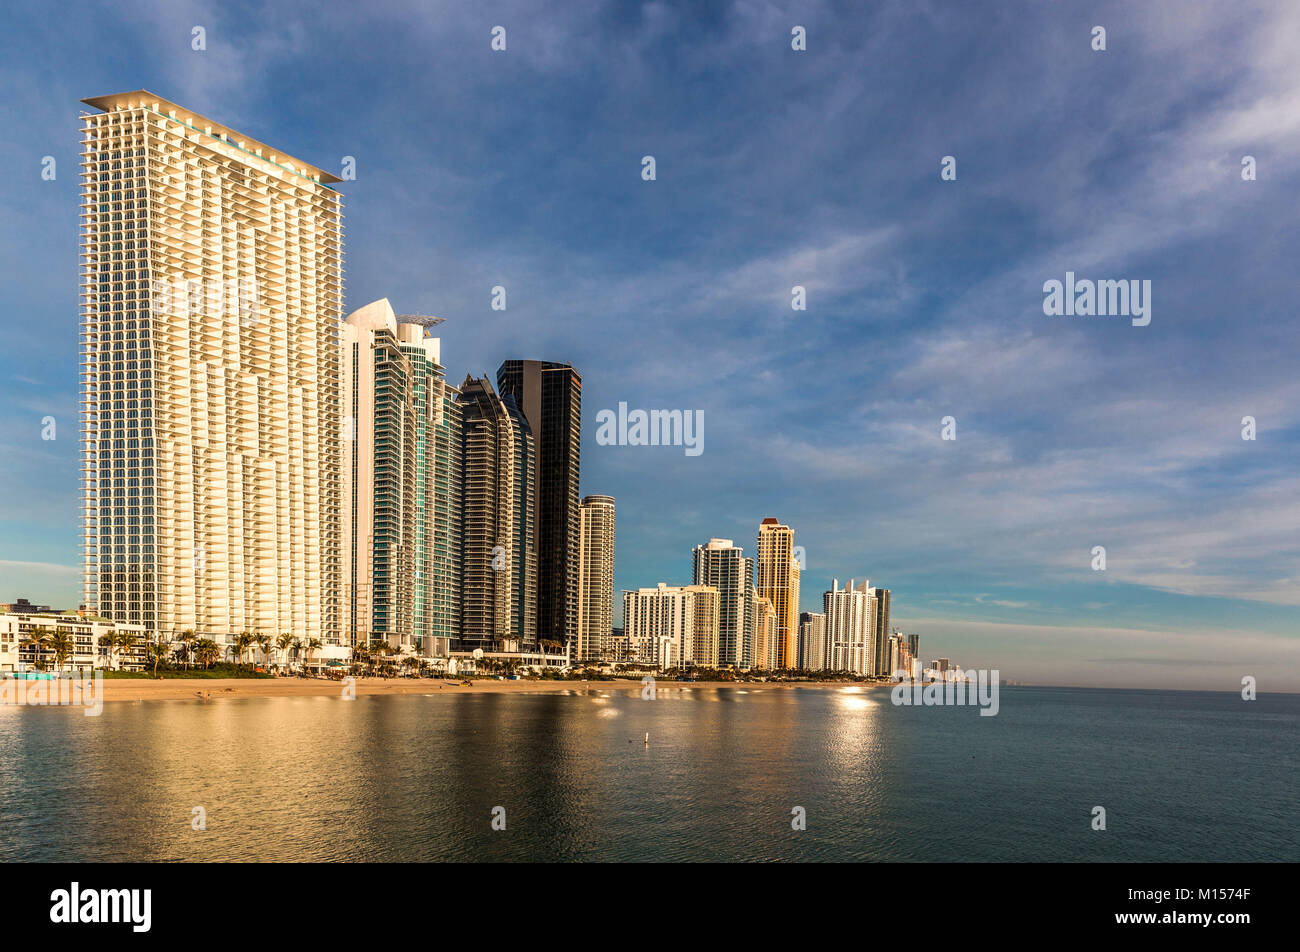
(184,689)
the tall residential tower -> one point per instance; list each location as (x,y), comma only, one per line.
(778,582)
(595,577)
(498,558)
(549,395)
(724,567)
(212,289)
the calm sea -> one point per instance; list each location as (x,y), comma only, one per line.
(1181,775)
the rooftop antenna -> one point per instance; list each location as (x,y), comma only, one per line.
(423,320)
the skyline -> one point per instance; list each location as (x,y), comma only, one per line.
(985,540)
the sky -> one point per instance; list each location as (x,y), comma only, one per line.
(776,168)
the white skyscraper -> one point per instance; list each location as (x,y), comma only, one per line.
(212,290)
(848,628)
(723,566)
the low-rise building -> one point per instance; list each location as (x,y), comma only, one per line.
(28,641)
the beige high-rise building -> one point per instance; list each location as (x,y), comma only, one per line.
(812,641)
(765,633)
(212,288)
(595,577)
(705,631)
(778,582)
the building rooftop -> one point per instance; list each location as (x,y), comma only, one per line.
(199,123)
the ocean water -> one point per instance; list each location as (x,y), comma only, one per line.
(1182,776)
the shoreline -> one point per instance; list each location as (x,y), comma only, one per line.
(187,689)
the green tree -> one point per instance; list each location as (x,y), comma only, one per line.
(188,640)
(38,640)
(156,651)
(63,645)
(126,641)
(284,642)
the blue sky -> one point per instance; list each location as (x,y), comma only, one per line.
(778,168)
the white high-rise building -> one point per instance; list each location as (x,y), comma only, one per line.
(673,626)
(401,491)
(212,290)
(812,641)
(849,632)
(595,577)
(723,566)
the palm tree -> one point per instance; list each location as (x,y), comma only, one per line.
(126,643)
(64,645)
(297,647)
(206,651)
(240,645)
(314,645)
(188,638)
(283,643)
(264,642)
(37,638)
(156,651)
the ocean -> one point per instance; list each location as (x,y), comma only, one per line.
(1182,776)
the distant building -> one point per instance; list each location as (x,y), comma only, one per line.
(724,567)
(24,607)
(880,631)
(812,641)
(766,633)
(595,577)
(778,582)
(666,624)
(849,630)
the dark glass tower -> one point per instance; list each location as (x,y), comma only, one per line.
(550,396)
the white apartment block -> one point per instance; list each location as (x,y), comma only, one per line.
(812,641)
(850,641)
(21,644)
(673,626)
(723,566)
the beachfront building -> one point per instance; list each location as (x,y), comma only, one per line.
(667,625)
(211,295)
(31,641)
(849,628)
(880,631)
(766,631)
(435,601)
(549,395)
(400,494)
(778,582)
(723,566)
(704,629)
(497,559)
(812,641)
(595,577)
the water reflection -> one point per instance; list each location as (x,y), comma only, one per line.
(415,778)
